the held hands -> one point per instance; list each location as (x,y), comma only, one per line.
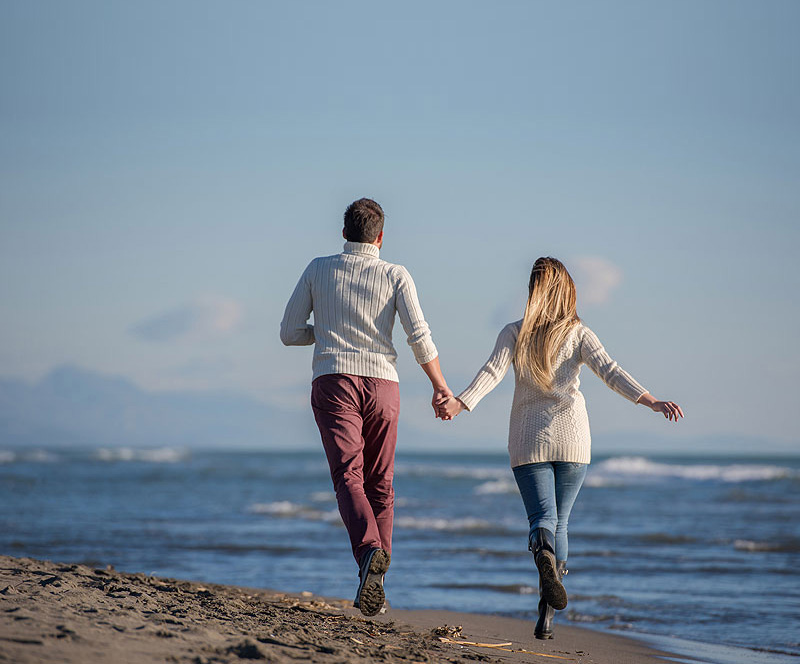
(440,395)
(444,405)
(447,408)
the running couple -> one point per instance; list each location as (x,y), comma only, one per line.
(354,297)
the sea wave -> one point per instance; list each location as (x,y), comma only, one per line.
(613,472)
(618,621)
(42,456)
(451,471)
(509,589)
(620,470)
(666,538)
(34,456)
(576,617)
(235,549)
(496,486)
(467,524)
(157,455)
(483,552)
(278,508)
(288,510)
(785,546)
(323,497)
(743,495)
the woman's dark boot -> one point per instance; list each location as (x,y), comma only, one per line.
(542,545)
(544,626)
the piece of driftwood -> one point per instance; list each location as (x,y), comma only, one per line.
(502,646)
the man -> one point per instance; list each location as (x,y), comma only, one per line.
(355,397)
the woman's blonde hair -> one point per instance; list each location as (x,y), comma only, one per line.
(549,316)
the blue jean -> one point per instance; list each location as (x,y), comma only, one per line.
(549,491)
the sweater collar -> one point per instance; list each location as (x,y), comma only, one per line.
(362,248)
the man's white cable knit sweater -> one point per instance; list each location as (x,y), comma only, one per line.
(553,425)
(354,296)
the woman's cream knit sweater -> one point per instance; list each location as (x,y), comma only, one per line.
(551,426)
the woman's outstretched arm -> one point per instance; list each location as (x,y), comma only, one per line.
(598,360)
(595,356)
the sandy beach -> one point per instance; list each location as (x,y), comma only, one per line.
(53,612)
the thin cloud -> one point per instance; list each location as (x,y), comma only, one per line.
(595,278)
(203,368)
(207,318)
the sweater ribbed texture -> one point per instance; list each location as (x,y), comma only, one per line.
(553,425)
(354,296)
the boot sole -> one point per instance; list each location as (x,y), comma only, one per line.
(544,636)
(371,595)
(553,591)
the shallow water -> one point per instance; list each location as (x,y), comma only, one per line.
(700,549)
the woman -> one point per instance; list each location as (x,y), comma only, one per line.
(549,442)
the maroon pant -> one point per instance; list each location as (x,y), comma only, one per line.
(357,420)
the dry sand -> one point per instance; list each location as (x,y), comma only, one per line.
(52,612)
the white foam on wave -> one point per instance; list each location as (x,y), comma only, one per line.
(441,524)
(496,486)
(617,470)
(330,497)
(158,455)
(278,508)
(750,545)
(598,481)
(288,510)
(781,546)
(42,456)
(34,456)
(451,472)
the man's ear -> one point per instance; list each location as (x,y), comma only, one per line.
(379,239)
(343,233)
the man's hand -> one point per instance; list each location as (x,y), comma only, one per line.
(440,396)
(441,392)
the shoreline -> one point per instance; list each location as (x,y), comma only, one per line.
(69,612)
(73,613)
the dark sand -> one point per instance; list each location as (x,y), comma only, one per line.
(52,612)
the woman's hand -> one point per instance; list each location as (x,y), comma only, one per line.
(448,409)
(669,409)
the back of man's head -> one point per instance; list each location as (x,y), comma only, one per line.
(363,221)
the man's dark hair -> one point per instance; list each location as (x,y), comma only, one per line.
(363,221)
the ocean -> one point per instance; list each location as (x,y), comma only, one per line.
(697,549)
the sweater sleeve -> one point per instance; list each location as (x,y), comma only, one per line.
(411,318)
(295,328)
(599,361)
(494,370)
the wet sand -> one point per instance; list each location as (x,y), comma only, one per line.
(53,612)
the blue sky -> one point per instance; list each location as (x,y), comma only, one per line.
(168,169)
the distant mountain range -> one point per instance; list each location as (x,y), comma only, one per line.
(72,406)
